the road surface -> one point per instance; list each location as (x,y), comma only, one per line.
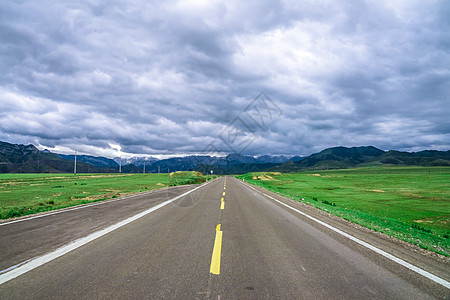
(222,240)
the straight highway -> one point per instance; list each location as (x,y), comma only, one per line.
(222,240)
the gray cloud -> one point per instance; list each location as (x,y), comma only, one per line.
(168,78)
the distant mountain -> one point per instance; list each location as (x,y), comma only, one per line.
(296,158)
(28,159)
(422,158)
(343,157)
(137,161)
(231,164)
(234,159)
(97,161)
(235,168)
(130,168)
(20,158)
(187,163)
(13,153)
(264,159)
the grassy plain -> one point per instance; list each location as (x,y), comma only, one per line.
(409,203)
(24,194)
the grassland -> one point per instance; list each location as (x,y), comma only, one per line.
(24,194)
(409,203)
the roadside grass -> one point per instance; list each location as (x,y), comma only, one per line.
(409,203)
(24,194)
(185,177)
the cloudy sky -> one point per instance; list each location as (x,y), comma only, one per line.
(181,77)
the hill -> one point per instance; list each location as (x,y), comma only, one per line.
(28,159)
(423,158)
(231,164)
(97,161)
(137,161)
(344,158)
(16,158)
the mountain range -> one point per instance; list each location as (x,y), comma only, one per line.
(16,158)
(344,158)
(28,159)
(97,161)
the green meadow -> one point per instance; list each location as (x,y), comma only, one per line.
(409,203)
(24,194)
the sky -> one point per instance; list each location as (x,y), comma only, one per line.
(168,78)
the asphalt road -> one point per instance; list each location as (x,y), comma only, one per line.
(260,250)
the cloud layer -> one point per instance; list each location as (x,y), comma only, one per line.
(171,77)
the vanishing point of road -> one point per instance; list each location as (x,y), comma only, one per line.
(224,239)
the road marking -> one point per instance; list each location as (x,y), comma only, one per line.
(223,193)
(418,270)
(222,205)
(15,266)
(40,260)
(215,259)
(221,199)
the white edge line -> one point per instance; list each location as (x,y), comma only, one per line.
(39,261)
(16,266)
(63,210)
(418,270)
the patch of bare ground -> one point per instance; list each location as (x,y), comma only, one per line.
(412,195)
(102,176)
(439,220)
(95,197)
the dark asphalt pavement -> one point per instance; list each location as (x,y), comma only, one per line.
(267,252)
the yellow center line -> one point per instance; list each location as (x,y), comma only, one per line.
(223,193)
(222,205)
(215,259)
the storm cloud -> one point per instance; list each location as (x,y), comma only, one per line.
(171,77)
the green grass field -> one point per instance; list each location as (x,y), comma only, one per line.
(410,203)
(24,194)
